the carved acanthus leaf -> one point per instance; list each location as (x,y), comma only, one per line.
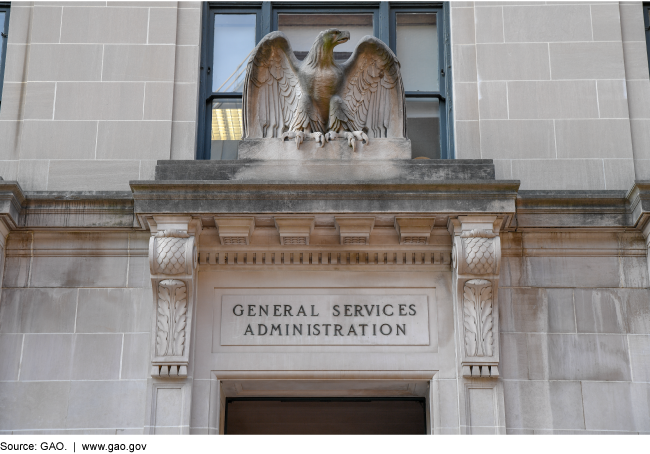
(478,318)
(171,318)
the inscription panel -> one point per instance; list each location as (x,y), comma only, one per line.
(312,319)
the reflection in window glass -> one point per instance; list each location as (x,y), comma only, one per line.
(417,49)
(226,129)
(423,127)
(302,30)
(234,38)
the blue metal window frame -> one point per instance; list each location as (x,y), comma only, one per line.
(646,23)
(4,7)
(384,27)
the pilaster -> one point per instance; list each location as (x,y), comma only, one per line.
(476,258)
(173,265)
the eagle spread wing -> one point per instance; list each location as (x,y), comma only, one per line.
(373,93)
(271,89)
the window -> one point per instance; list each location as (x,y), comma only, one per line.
(4,27)
(415,34)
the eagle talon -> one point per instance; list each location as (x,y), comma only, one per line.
(318,137)
(354,136)
(298,135)
(331,135)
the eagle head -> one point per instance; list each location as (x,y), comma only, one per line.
(331,38)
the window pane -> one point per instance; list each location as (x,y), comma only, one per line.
(423,127)
(234,38)
(226,129)
(417,50)
(302,30)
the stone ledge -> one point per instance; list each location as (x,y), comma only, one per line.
(324,170)
(336,150)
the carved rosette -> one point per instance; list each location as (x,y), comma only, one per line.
(172,259)
(476,256)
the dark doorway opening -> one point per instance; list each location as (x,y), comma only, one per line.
(325,416)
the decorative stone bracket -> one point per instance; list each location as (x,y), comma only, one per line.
(476,257)
(172,260)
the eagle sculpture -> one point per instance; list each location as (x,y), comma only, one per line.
(319,97)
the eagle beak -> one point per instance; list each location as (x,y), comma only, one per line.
(344,37)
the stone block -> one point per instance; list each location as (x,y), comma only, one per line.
(636,60)
(47,357)
(10,145)
(199,417)
(12,93)
(139,274)
(619,173)
(538,363)
(183,140)
(561,311)
(35,405)
(489,24)
(99,101)
(448,403)
(513,356)
(46,24)
(521,139)
(38,310)
(525,310)
(188,32)
(468,140)
(92,175)
(15,61)
(632,26)
(462,29)
(571,271)
(638,93)
(552,99)
(32,174)
(39,101)
(512,61)
(503,169)
(493,100)
(640,357)
(65,62)
(147,170)
(10,349)
(16,273)
(79,272)
(642,169)
(114,310)
(187,64)
(637,310)
(134,140)
(9,170)
(58,140)
(548,23)
(336,150)
(602,60)
(162,26)
(640,130)
(599,311)
(138,63)
(20,18)
(97,357)
(543,405)
(104,25)
(107,404)
(136,357)
(185,102)
(158,100)
(606,22)
(464,56)
(612,98)
(588,357)
(512,272)
(466,101)
(633,272)
(593,138)
(613,406)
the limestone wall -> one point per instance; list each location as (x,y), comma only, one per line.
(575,333)
(95,93)
(555,93)
(75,319)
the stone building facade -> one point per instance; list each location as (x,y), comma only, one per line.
(521,263)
